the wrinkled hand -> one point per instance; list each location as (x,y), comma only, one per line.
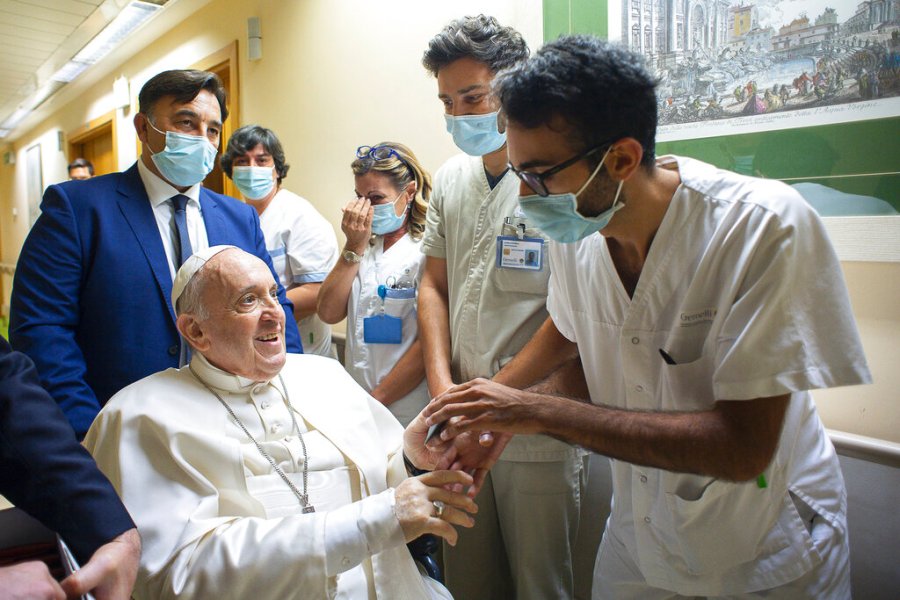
(465,452)
(485,405)
(357,224)
(414,505)
(111,571)
(29,581)
(437,455)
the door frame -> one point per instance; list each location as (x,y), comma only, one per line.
(226,57)
(91,129)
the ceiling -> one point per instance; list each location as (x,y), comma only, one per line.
(39,37)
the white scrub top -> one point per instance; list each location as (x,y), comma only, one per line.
(368,364)
(742,289)
(304,249)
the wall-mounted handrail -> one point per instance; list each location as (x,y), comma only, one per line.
(866,448)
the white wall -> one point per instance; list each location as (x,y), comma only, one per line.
(871,410)
(350,74)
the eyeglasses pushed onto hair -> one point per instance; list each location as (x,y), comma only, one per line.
(378,153)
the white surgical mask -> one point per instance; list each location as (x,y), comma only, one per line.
(476,135)
(557,214)
(186,160)
(254,183)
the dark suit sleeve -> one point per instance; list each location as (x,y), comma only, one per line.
(45,471)
(45,308)
(291,333)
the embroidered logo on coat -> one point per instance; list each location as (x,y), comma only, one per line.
(689,319)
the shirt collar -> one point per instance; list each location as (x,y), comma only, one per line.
(219,379)
(159,190)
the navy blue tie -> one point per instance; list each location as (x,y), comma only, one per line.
(183,248)
(183,252)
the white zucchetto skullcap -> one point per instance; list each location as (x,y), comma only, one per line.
(190,268)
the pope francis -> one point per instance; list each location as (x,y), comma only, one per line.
(255,474)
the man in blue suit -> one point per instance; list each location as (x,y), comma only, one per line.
(90,300)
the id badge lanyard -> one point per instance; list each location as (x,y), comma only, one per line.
(382,328)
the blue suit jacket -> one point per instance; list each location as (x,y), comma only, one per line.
(45,471)
(91,299)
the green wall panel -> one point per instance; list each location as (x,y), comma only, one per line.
(858,158)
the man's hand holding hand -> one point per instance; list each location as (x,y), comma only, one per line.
(111,571)
(485,405)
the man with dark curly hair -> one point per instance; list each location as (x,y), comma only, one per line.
(704,305)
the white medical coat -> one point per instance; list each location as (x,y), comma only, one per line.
(402,265)
(304,249)
(743,290)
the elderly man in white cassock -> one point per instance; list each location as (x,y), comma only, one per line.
(252,473)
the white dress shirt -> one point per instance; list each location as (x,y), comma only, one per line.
(159,192)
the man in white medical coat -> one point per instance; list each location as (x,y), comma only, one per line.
(703,312)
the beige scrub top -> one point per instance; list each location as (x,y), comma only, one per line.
(493,311)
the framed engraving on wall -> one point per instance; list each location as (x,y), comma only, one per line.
(736,66)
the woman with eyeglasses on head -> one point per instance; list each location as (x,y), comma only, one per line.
(375,282)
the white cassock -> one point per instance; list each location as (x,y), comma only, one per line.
(217,521)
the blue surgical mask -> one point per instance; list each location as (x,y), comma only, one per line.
(476,135)
(557,214)
(254,183)
(385,219)
(186,159)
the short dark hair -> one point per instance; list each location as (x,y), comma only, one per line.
(603,92)
(246,139)
(481,38)
(184,85)
(79,163)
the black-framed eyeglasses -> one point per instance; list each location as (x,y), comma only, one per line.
(536,180)
(378,153)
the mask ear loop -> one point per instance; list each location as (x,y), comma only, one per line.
(594,174)
(615,206)
(163,133)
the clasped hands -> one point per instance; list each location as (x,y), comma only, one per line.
(462,454)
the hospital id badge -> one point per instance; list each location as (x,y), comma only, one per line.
(525,253)
(382,329)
